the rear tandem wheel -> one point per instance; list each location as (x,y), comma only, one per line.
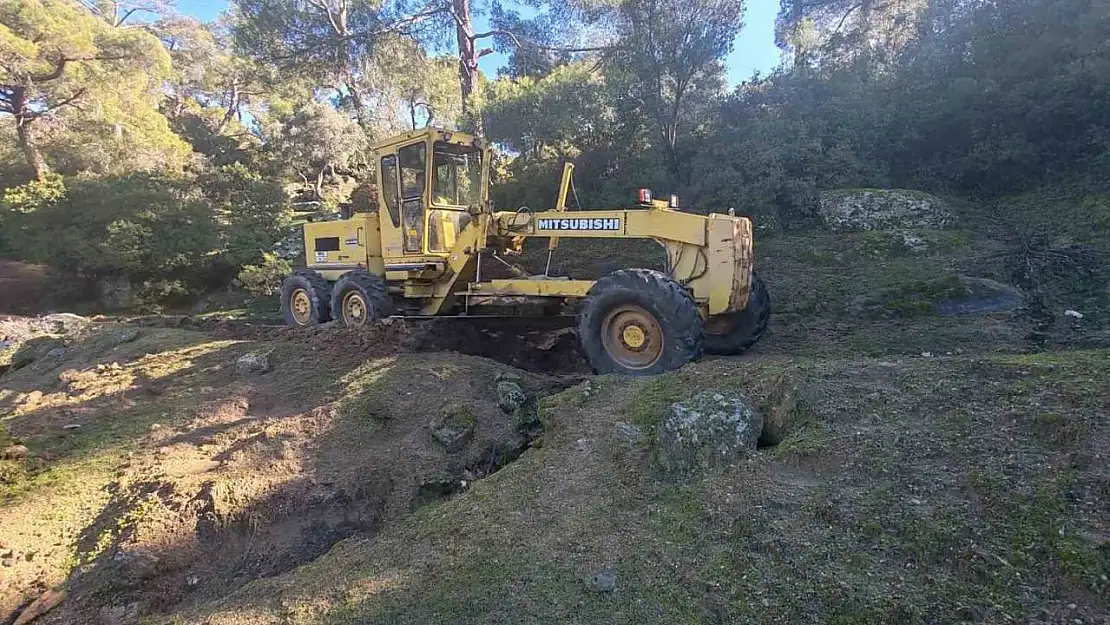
(304,298)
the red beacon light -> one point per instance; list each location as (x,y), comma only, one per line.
(645,196)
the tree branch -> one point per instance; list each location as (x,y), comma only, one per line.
(59,69)
(844,17)
(50,109)
(126,15)
(517,43)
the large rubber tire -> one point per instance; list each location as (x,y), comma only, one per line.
(665,305)
(742,329)
(362,291)
(314,308)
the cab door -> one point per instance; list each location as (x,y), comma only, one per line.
(412,169)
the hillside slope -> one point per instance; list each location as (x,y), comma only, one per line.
(932,465)
(907,490)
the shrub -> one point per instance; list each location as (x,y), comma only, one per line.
(18,203)
(264,279)
(167,236)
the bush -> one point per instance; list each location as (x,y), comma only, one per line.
(21,201)
(168,236)
(264,279)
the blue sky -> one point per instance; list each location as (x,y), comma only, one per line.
(754,49)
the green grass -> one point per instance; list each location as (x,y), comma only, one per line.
(911,505)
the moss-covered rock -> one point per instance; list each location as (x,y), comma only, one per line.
(711,429)
(455,427)
(947,295)
(848,210)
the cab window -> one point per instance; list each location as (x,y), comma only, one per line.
(413,181)
(412,170)
(389,188)
(457,175)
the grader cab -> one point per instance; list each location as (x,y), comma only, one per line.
(435,246)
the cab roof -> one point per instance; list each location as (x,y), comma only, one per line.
(435,134)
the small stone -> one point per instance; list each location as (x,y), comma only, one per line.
(926,354)
(66,322)
(510,394)
(15,452)
(454,428)
(120,614)
(628,433)
(254,363)
(56,355)
(30,400)
(1074,314)
(604,580)
(452,439)
(126,335)
(71,426)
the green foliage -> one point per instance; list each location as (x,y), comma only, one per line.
(264,279)
(20,201)
(69,73)
(168,236)
(176,139)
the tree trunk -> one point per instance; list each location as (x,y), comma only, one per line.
(232,108)
(360,105)
(318,188)
(31,151)
(468,63)
(26,135)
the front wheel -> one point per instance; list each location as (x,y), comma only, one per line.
(639,322)
(735,333)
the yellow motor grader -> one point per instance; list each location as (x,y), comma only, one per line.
(435,245)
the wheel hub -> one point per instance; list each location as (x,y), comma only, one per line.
(354,309)
(301,306)
(632,337)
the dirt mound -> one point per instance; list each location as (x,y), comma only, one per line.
(921,490)
(161,476)
(544,344)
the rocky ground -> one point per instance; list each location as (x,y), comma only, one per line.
(909,444)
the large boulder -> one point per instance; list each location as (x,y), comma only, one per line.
(711,429)
(853,210)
